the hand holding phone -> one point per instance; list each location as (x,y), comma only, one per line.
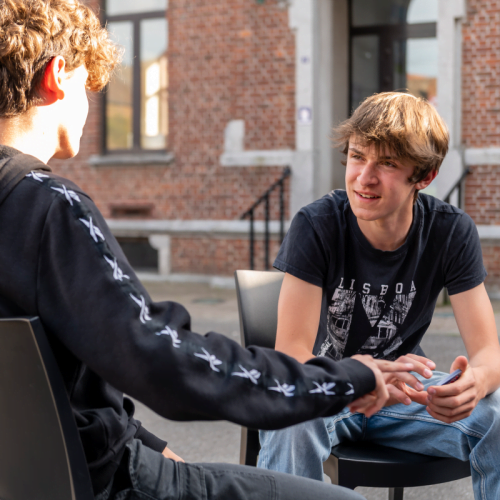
(449,379)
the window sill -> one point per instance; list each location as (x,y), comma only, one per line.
(272,158)
(132,159)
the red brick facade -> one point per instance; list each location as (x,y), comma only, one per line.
(481,118)
(231,59)
(480,74)
(216,255)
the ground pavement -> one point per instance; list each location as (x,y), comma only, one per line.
(214,309)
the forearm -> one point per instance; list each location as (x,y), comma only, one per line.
(300,353)
(476,322)
(485,366)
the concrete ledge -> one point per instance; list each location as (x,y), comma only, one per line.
(192,228)
(482,156)
(132,159)
(271,158)
(214,281)
(489,232)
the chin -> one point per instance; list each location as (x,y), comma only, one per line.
(64,155)
(69,144)
(67,151)
(364,214)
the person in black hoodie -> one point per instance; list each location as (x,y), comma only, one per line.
(60,262)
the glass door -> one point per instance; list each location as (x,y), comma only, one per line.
(393,47)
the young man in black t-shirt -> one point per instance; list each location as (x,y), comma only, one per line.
(61,263)
(364,268)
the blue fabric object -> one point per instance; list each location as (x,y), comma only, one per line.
(302,449)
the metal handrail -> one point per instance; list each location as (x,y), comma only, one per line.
(250,213)
(458,185)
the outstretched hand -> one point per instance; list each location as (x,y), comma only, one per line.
(371,403)
(407,388)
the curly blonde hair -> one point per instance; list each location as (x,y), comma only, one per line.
(33,32)
(409,126)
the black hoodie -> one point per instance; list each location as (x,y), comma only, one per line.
(60,262)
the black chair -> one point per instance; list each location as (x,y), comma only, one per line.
(41,455)
(350,464)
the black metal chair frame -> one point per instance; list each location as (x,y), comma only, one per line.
(350,464)
(41,454)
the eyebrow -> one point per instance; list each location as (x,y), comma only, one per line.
(356,151)
(394,158)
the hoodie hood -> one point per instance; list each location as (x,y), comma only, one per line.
(14,166)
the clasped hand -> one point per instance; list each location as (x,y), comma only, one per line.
(447,403)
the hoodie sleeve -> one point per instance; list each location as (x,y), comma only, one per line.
(89,297)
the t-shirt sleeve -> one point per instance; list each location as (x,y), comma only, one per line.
(302,253)
(463,266)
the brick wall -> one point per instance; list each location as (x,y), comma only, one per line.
(228,59)
(480,74)
(218,256)
(481,118)
(491,257)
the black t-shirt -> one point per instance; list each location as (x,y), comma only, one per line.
(379,302)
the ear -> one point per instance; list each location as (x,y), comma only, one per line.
(53,78)
(426,181)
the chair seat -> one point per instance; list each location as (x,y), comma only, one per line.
(373,465)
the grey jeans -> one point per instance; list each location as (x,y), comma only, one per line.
(147,475)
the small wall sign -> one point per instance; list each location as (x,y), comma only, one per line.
(305,115)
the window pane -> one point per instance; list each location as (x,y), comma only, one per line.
(119,132)
(422,67)
(365,68)
(422,11)
(379,12)
(115,7)
(154,82)
(399,65)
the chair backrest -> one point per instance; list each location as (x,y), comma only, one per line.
(258,293)
(41,456)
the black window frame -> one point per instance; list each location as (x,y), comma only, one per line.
(387,34)
(135,19)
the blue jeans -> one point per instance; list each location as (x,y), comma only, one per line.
(302,449)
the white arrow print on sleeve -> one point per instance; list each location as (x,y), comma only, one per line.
(70,195)
(38,177)
(252,375)
(94,230)
(211,358)
(117,272)
(171,333)
(286,389)
(324,389)
(144,316)
(349,393)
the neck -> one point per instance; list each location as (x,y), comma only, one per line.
(30,133)
(387,234)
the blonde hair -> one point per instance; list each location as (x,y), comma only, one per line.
(33,32)
(409,126)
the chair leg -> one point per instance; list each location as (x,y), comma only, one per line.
(396,493)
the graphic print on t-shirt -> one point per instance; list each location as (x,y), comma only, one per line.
(384,339)
(339,321)
(387,327)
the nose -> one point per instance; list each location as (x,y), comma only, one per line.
(368,174)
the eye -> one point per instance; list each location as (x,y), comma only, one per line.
(388,164)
